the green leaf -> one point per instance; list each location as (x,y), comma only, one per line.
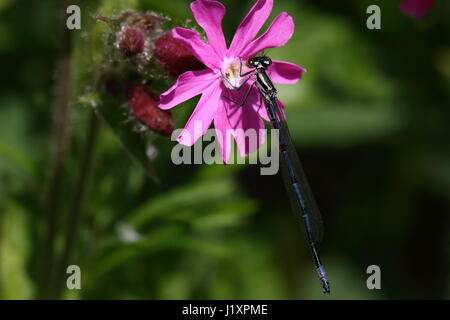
(193,196)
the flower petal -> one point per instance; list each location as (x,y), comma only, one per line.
(416,8)
(279,32)
(188,85)
(285,72)
(281,105)
(260,108)
(246,124)
(202,116)
(202,51)
(250,26)
(254,101)
(209,15)
(221,126)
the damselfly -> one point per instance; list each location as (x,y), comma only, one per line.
(294,176)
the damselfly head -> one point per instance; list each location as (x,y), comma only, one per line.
(259,62)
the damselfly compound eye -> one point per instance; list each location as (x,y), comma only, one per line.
(253,62)
(266,62)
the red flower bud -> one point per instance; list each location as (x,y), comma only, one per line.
(131,41)
(174,56)
(144,107)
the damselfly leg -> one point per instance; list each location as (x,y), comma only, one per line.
(250,74)
(242,103)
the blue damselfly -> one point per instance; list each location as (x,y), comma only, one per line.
(302,199)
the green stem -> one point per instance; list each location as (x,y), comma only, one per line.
(74,218)
(61,138)
(75,214)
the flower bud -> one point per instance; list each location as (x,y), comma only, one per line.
(174,56)
(131,41)
(144,106)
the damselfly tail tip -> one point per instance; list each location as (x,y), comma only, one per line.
(323,280)
(325,286)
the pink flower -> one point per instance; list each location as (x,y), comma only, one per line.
(416,8)
(222,76)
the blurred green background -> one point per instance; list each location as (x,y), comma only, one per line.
(371,123)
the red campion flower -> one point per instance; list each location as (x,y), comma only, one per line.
(222,74)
